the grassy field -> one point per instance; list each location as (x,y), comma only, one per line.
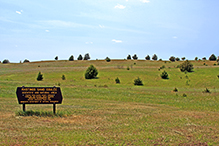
(101,112)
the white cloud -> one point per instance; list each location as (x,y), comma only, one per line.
(118,6)
(117,41)
(60,24)
(175,37)
(101,26)
(89,43)
(19,12)
(145,1)
(47,30)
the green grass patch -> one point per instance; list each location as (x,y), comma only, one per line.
(42,113)
(101,112)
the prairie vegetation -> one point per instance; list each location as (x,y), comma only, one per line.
(100,111)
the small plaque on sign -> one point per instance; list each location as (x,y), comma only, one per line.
(39,95)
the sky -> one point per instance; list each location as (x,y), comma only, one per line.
(42,29)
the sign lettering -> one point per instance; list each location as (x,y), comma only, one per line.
(39,95)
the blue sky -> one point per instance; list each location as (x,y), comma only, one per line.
(42,29)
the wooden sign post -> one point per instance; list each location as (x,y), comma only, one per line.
(39,95)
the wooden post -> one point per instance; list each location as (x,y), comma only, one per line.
(23,107)
(54,108)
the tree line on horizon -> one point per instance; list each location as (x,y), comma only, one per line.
(129,57)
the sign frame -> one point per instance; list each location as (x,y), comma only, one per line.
(39,95)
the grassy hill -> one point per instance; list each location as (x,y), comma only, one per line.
(101,112)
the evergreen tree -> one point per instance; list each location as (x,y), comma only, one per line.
(135,57)
(80,57)
(71,58)
(212,57)
(26,60)
(117,80)
(5,61)
(177,59)
(154,57)
(40,77)
(183,58)
(138,82)
(108,59)
(129,57)
(164,75)
(63,77)
(86,56)
(91,72)
(147,57)
(56,58)
(186,66)
(172,58)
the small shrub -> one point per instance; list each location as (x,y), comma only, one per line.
(63,77)
(206,91)
(164,75)
(120,67)
(91,72)
(40,77)
(138,82)
(184,95)
(187,82)
(215,64)
(104,86)
(175,90)
(117,80)
(218,76)
(128,68)
(162,67)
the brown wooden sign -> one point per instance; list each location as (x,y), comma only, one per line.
(39,95)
